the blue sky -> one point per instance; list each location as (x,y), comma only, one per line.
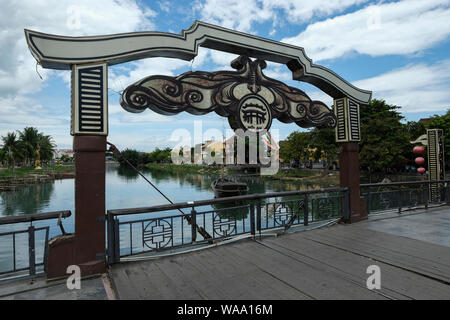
(400,50)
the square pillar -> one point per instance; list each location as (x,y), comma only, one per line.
(348,132)
(90,237)
(349,177)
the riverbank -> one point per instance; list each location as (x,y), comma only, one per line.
(185,168)
(12,178)
(307,175)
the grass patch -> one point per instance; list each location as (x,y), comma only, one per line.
(28,171)
(297,173)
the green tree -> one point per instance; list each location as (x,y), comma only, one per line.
(385,142)
(29,137)
(131,155)
(443,122)
(325,142)
(295,146)
(12,148)
(2,156)
(415,129)
(47,147)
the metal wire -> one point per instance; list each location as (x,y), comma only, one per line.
(200,229)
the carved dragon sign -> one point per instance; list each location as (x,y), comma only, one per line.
(248,98)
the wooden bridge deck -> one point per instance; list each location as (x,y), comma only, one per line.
(326,263)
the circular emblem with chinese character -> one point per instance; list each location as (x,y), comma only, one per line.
(254,114)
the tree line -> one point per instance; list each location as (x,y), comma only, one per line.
(385,139)
(137,158)
(19,148)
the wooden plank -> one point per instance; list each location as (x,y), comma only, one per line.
(413,247)
(315,280)
(210,266)
(396,282)
(123,282)
(279,289)
(427,253)
(379,253)
(175,268)
(263,284)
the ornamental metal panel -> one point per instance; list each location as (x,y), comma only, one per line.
(248,98)
(436,164)
(353,121)
(89,100)
(341,126)
(348,120)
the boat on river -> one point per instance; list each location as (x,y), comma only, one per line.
(227,187)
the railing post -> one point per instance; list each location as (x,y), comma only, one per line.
(425,195)
(258,218)
(447,192)
(399,199)
(252,219)
(368,200)
(305,211)
(194,225)
(346,205)
(46,249)
(116,240)
(111,236)
(31,250)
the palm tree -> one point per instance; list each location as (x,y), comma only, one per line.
(12,148)
(29,137)
(2,156)
(47,147)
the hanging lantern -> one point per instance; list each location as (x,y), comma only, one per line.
(419,149)
(419,161)
(421,170)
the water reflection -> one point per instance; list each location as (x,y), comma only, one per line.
(26,199)
(126,173)
(237,210)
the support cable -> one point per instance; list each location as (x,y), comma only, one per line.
(116,151)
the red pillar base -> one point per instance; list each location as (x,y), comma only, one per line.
(349,177)
(60,255)
(85,248)
(89,246)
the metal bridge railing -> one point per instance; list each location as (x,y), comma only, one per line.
(403,195)
(157,228)
(17,239)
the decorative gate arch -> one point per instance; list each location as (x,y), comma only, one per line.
(248,98)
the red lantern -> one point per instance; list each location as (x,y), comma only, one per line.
(421,170)
(419,149)
(419,161)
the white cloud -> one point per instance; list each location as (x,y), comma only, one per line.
(18,78)
(17,66)
(404,27)
(416,88)
(303,11)
(21,111)
(234,14)
(240,15)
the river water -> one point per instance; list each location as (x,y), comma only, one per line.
(124,189)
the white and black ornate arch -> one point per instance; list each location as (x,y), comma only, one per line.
(248,98)
(62,52)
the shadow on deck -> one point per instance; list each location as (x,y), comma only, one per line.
(412,251)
